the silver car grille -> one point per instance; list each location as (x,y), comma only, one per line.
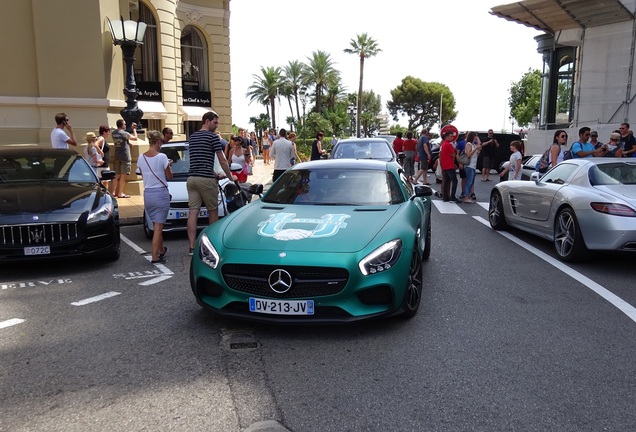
(40,234)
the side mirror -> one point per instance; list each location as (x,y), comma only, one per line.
(535,176)
(107,175)
(422,191)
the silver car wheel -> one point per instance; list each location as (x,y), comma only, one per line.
(568,240)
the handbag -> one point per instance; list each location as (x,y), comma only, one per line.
(463,158)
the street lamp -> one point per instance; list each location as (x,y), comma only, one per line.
(353,110)
(512,124)
(129,35)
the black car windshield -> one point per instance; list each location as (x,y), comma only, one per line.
(46,167)
(335,187)
(615,173)
(363,150)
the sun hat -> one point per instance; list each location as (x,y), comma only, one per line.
(90,136)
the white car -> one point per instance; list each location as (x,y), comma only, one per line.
(179,211)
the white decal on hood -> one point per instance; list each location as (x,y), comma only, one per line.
(327,226)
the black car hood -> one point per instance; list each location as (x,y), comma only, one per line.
(48,201)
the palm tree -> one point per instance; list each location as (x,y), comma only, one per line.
(265,89)
(364,47)
(292,78)
(319,72)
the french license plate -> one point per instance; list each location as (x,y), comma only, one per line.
(183,214)
(282,307)
(37,250)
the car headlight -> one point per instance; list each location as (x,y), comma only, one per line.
(100,214)
(381,259)
(207,253)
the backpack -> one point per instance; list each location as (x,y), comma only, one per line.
(544,162)
(568,153)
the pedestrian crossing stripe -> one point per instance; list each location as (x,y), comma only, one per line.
(454,208)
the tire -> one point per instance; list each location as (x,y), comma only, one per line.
(427,247)
(147,230)
(413,294)
(496,215)
(568,239)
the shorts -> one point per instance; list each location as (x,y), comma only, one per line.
(423,164)
(487,162)
(462,173)
(122,167)
(203,191)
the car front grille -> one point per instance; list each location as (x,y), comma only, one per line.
(40,234)
(306,281)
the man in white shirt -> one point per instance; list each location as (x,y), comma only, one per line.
(59,139)
(282,152)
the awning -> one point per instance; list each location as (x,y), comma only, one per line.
(554,15)
(193,113)
(152,110)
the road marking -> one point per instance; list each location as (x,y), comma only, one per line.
(448,207)
(95,299)
(165,274)
(11,322)
(129,242)
(615,300)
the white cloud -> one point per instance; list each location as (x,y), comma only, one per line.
(455,42)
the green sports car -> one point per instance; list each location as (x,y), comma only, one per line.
(330,241)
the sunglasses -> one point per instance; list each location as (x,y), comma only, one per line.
(563,136)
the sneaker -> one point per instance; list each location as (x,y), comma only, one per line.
(191,251)
(472,196)
(456,201)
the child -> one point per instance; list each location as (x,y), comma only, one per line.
(514,167)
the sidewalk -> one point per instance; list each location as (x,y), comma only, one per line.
(131,210)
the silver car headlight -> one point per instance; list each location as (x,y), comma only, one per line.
(100,214)
(381,259)
(208,254)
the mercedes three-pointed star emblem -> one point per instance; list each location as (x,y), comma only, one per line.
(280,281)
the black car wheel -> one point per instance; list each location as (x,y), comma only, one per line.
(147,230)
(413,294)
(568,239)
(496,215)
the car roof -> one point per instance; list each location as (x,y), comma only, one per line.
(18,150)
(344,163)
(364,140)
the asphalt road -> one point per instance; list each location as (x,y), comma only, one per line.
(506,338)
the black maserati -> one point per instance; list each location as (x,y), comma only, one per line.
(52,204)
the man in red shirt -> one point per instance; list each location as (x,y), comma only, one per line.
(447,156)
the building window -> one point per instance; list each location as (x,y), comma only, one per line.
(565,85)
(194,60)
(146,56)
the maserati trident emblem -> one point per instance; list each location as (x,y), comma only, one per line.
(36,235)
(280,281)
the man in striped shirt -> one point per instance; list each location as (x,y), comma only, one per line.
(202,184)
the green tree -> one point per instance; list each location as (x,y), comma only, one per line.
(265,88)
(292,82)
(420,102)
(319,73)
(364,47)
(371,107)
(525,97)
(261,123)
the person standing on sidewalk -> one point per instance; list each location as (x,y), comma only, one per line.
(202,184)
(59,139)
(282,152)
(489,149)
(123,159)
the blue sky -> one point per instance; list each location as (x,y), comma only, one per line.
(455,42)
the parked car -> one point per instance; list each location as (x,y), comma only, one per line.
(528,166)
(364,148)
(178,152)
(580,205)
(53,205)
(330,241)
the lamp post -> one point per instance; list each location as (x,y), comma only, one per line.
(512,124)
(353,110)
(303,100)
(129,35)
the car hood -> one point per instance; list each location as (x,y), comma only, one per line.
(178,190)
(49,201)
(305,228)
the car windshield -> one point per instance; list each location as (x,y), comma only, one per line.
(46,167)
(180,157)
(615,173)
(335,187)
(363,150)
